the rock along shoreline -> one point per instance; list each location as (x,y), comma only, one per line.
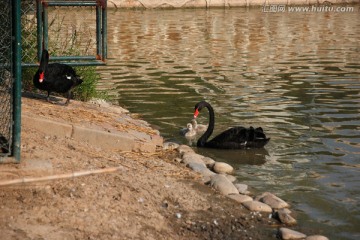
(218,176)
(153,4)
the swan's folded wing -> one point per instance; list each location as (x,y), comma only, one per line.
(236,135)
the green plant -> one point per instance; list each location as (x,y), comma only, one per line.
(87,90)
(62,43)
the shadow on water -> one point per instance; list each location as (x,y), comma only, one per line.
(236,157)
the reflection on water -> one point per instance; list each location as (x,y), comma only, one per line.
(296,75)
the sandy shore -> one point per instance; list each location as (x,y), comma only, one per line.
(151,196)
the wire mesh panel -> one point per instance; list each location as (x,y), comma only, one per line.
(6,79)
(72,30)
(28,31)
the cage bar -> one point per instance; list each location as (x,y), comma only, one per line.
(16,147)
(101,32)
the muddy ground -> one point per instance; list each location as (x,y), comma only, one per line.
(152,196)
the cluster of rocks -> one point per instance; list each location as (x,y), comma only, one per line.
(217,175)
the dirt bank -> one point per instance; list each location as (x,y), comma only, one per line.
(150,197)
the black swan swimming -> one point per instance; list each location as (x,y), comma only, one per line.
(233,138)
(55,77)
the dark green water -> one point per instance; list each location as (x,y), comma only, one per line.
(295,74)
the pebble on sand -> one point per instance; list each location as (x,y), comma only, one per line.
(223,185)
(240,198)
(287,233)
(221,167)
(285,217)
(257,206)
(230,177)
(197,167)
(182,149)
(192,158)
(209,162)
(170,146)
(243,188)
(272,200)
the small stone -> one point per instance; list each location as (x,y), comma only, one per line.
(285,210)
(206,172)
(243,188)
(272,200)
(240,198)
(287,233)
(284,217)
(170,146)
(197,167)
(209,162)
(192,158)
(206,180)
(165,204)
(182,149)
(178,215)
(223,185)
(231,178)
(257,206)
(316,237)
(100,102)
(221,167)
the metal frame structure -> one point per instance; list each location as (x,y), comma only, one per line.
(16,65)
(16,147)
(101,31)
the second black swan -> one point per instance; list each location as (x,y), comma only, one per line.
(55,77)
(233,138)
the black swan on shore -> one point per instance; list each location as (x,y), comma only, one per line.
(55,77)
(233,138)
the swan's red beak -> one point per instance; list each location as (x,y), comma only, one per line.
(196,113)
(41,77)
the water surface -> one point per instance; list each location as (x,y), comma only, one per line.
(295,74)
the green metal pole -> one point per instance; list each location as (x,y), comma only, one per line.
(98,30)
(104,30)
(39,28)
(17,82)
(45,28)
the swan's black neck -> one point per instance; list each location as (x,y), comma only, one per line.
(203,139)
(44,60)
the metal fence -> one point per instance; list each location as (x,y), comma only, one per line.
(28,32)
(6,78)
(65,27)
